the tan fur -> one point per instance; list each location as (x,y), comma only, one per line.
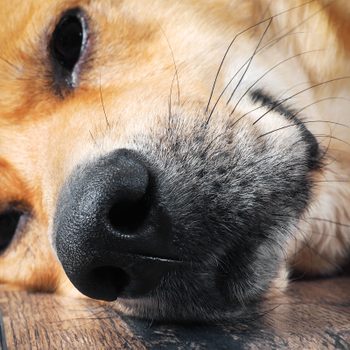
(42,136)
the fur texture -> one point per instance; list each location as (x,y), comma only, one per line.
(240,106)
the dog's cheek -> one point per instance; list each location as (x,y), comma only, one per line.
(254,273)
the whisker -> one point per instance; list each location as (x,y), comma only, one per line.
(332,137)
(297,123)
(175,65)
(103,105)
(298,93)
(93,138)
(243,65)
(312,218)
(239,70)
(286,126)
(250,61)
(267,72)
(292,29)
(233,41)
(9,63)
(223,61)
(170,114)
(276,40)
(307,244)
(321,100)
(330,222)
(306,241)
(325,152)
(306,19)
(332,181)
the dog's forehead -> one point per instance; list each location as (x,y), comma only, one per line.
(32,18)
(125,36)
(28,16)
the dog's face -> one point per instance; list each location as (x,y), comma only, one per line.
(127,160)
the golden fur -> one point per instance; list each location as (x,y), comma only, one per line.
(134,46)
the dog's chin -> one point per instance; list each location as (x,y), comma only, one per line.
(185,305)
(154,308)
(203,296)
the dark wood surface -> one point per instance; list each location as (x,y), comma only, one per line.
(313,315)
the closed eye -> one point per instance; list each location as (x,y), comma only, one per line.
(9,222)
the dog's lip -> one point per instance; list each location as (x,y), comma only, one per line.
(161,259)
(145,272)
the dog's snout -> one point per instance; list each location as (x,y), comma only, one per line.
(110,234)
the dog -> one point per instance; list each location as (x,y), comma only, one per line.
(180,157)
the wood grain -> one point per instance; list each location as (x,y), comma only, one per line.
(313,315)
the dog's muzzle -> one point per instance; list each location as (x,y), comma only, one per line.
(111,236)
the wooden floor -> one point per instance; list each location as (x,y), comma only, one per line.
(314,315)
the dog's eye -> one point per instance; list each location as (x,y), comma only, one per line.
(67,45)
(9,221)
(68,39)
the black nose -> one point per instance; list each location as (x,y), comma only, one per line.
(111,235)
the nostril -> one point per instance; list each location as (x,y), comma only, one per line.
(127,216)
(107,282)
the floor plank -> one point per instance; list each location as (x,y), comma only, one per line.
(313,315)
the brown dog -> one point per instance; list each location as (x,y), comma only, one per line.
(181,155)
